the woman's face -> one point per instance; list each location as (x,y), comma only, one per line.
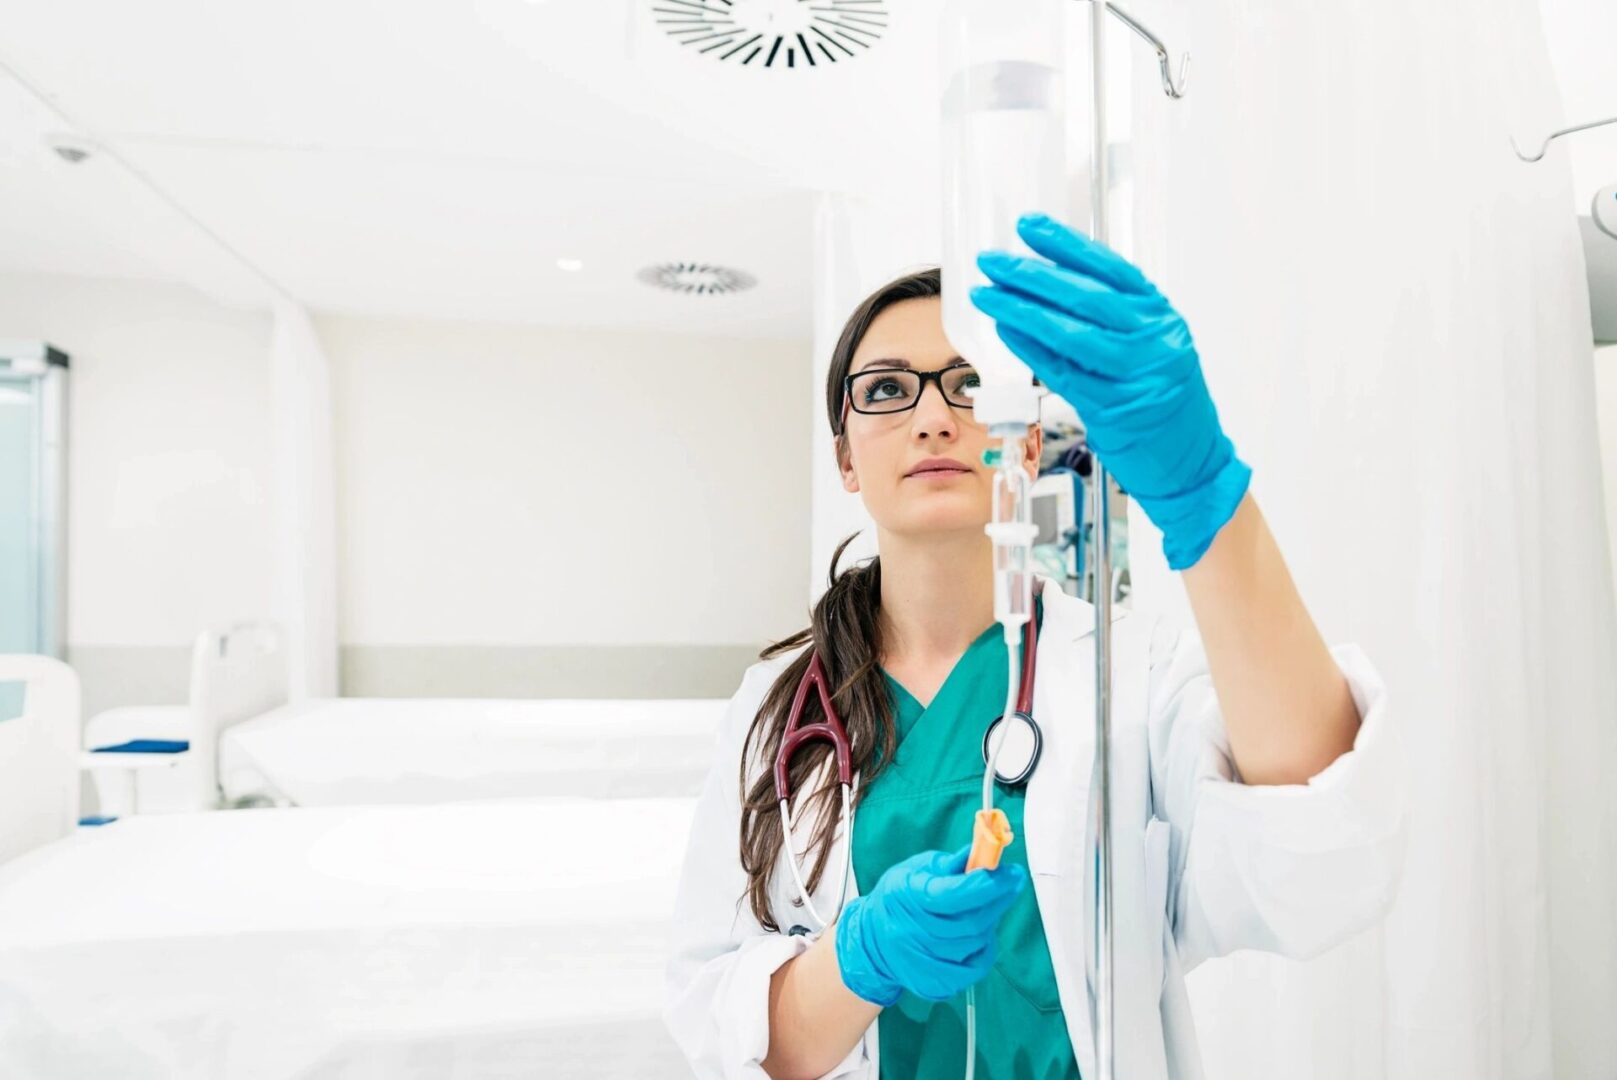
(883,451)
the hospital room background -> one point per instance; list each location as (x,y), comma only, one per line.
(411,428)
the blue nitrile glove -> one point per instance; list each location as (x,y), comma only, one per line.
(927,927)
(1098,334)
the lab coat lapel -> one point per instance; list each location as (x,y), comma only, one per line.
(1057,816)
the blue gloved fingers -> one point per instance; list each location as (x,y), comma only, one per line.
(925,937)
(947,980)
(1009,881)
(956,899)
(897,938)
(931,892)
(957,949)
(981,962)
(961,895)
(924,866)
(944,929)
(1070,291)
(1080,389)
(1039,358)
(955,861)
(1083,345)
(1066,247)
(938,979)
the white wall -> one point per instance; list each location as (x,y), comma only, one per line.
(1606,406)
(168,454)
(510,486)
(536,486)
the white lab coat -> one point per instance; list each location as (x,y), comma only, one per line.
(1202,864)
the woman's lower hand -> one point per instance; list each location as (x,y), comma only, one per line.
(927,927)
(1099,334)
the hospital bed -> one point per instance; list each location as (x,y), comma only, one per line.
(489,939)
(248,745)
(38,754)
(349,751)
(493,939)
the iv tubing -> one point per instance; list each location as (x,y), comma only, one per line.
(1010,458)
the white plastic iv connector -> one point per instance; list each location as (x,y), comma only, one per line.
(1006,403)
(1011,533)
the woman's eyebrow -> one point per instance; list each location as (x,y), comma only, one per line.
(898,361)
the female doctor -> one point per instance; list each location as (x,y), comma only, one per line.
(1256,791)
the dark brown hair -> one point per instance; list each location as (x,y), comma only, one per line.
(846,631)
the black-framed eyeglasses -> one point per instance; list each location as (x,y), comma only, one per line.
(884,390)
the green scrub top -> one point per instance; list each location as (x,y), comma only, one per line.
(926,799)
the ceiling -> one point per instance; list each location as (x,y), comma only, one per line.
(437,159)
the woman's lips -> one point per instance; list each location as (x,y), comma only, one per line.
(936,472)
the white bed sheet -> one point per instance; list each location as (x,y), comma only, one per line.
(495,939)
(358,751)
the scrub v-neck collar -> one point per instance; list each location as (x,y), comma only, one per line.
(908,710)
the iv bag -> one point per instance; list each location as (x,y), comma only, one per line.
(1004,155)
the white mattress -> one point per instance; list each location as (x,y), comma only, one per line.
(356,751)
(496,939)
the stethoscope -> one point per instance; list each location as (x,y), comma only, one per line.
(1013,761)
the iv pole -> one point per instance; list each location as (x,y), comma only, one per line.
(1101,978)
(1102,958)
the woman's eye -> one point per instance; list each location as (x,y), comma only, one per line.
(883,389)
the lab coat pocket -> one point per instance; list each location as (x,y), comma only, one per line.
(1158,871)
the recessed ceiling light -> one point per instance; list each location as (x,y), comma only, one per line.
(572,266)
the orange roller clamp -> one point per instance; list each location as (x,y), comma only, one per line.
(990,836)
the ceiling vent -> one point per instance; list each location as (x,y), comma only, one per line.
(774,33)
(697,278)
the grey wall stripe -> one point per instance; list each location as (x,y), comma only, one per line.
(114,675)
(557,671)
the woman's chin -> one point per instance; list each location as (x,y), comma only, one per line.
(945,515)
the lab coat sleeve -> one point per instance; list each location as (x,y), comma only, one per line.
(1290,869)
(723,959)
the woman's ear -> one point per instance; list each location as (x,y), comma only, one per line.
(1033,448)
(850,479)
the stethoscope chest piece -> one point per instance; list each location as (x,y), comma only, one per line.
(1019,756)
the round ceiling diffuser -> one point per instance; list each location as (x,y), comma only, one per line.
(698,278)
(774,33)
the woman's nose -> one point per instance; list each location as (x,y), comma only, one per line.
(933,413)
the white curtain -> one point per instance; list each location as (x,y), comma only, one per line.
(305,503)
(1395,324)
